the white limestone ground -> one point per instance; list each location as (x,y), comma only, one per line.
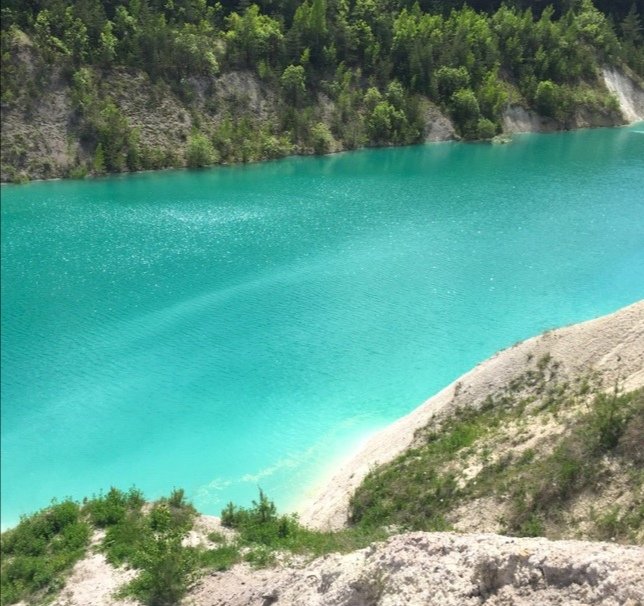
(443,569)
(628,91)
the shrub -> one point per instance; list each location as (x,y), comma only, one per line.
(485,129)
(166,569)
(293,83)
(547,98)
(111,508)
(41,549)
(321,138)
(200,151)
(451,79)
(221,558)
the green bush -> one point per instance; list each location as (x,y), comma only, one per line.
(221,558)
(548,98)
(107,510)
(485,129)
(41,550)
(166,568)
(451,79)
(321,138)
(200,151)
(293,83)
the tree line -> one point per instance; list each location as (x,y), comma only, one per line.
(374,58)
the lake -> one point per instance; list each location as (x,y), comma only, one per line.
(236,327)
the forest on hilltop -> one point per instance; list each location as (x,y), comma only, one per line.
(341,73)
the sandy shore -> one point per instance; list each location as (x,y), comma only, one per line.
(613,345)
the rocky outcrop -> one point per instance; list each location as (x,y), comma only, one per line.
(518,119)
(438,127)
(443,569)
(624,85)
(628,91)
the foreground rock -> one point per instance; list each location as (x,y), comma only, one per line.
(444,569)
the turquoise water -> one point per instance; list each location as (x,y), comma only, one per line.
(245,326)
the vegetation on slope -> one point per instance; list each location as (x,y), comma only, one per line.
(556,459)
(336,74)
(39,553)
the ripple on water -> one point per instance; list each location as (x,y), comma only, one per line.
(224,329)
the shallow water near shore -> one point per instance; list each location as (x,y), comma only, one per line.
(225,329)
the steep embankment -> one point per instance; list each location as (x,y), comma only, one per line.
(622,84)
(50,129)
(41,139)
(611,346)
(628,92)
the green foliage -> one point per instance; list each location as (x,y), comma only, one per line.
(252,37)
(37,553)
(619,524)
(41,550)
(166,570)
(492,96)
(110,509)
(98,162)
(221,558)
(77,172)
(485,129)
(419,489)
(293,84)
(384,123)
(548,98)
(357,68)
(321,138)
(608,420)
(575,463)
(148,541)
(200,151)
(243,139)
(262,529)
(467,116)
(451,79)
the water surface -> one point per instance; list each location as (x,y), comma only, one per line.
(244,326)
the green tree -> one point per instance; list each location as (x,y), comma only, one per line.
(200,151)
(492,95)
(465,106)
(108,44)
(386,123)
(114,136)
(251,37)
(547,98)
(98,162)
(451,79)
(485,129)
(293,83)
(322,138)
